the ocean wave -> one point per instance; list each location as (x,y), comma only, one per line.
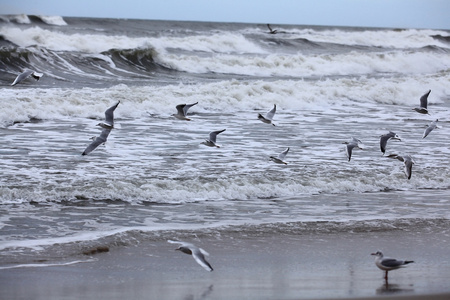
(22,105)
(300,65)
(29,19)
(77,244)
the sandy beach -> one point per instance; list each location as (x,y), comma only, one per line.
(315,266)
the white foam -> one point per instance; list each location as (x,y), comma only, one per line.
(53,20)
(43,265)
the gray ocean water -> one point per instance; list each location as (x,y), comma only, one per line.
(153,178)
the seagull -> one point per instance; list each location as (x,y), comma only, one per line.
(25,74)
(280,157)
(97,141)
(423,104)
(182,111)
(430,128)
(271,30)
(269,116)
(388,264)
(197,253)
(385,138)
(408,162)
(212,138)
(350,145)
(109,117)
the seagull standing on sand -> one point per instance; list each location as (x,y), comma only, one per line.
(423,104)
(385,138)
(388,264)
(25,74)
(182,111)
(109,117)
(350,145)
(212,139)
(280,158)
(430,128)
(269,116)
(197,253)
(97,141)
(408,161)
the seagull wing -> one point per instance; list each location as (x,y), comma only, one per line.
(349,149)
(283,154)
(109,114)
(187,106)
(392,262)
(383,141)
(271,113)
(22,76)
(424,100)
(98,140)
(213,135)
(408,167)
(197,254)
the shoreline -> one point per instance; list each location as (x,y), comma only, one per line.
(288,266)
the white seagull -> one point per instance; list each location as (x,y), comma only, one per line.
(408,161)
(430,128)
(269,116)
(423,104)
(352,144)
(182,111)
(385,138)
(109,117)
(97,141)
(25,74)
(197,253)
(280,158)
(388,264)
(212,139)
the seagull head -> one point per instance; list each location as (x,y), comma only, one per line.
(377,254)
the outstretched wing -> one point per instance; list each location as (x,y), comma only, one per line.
(109,114)
(271,113)
(283,154)
(213,135)
(424,100)
(98,140)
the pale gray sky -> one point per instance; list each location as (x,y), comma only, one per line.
(373,13)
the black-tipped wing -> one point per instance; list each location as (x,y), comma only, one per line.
(213,135)
(424,100)
(98,141)
(109,114)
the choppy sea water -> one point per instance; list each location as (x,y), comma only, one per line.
(153,178)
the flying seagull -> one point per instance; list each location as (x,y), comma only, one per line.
(182,111)
(352,144)
(279,159)
(423,104)
(388,264)
(25,74)
(269,116)
(212,139)
(109,117)
(385,138)
(408,161)
(271,31)
(197,253)
(97,141)
(430,128)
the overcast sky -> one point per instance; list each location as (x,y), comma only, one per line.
(373,13)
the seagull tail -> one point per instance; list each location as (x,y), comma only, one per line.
(408,262)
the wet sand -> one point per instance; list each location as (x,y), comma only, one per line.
(316,266)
